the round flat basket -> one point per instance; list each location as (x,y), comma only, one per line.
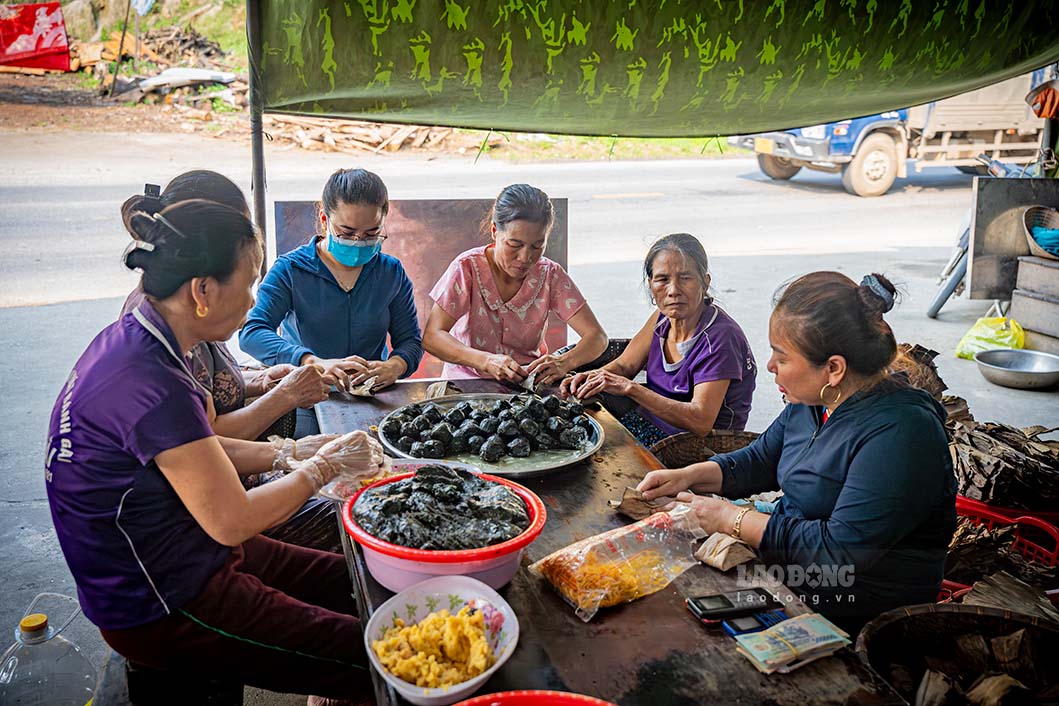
(896,644)
(687,448)
(1039,217)
(539,462)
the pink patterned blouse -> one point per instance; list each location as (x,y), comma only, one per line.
(468,293)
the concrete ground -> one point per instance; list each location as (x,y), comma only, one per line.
(61,280)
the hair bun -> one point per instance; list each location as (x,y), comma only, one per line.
(134,207)
(878,287)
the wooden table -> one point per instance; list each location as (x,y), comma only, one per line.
(651,651)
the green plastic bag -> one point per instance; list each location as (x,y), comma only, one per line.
(990,333)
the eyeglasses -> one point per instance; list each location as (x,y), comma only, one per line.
(361,239)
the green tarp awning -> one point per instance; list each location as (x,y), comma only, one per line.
(636,68)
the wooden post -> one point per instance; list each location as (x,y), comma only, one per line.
(257,106)
(121,48)
(136,51)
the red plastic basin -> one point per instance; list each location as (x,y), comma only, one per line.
(534,698)
(397,567)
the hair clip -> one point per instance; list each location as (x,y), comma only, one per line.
(152,196)
(872,282)
(133,247)
(158,217)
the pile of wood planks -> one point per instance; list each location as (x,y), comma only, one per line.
(84,55)
(354,137)
(183,46)
(163,48)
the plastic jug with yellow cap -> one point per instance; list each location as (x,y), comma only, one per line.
(43,668)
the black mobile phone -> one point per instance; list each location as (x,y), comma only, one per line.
(733,604)
(747,623)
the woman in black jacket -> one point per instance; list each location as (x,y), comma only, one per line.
(862,458)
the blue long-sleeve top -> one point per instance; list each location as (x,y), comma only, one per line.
(871,488)
(301,298)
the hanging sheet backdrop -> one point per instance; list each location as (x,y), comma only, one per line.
(637,67)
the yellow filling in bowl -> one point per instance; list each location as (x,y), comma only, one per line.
(439,651)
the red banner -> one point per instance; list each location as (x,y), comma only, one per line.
(34,36)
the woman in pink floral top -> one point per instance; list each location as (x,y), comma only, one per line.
(491,306)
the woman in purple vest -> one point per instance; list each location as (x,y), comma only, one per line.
(700,369)
(162,540)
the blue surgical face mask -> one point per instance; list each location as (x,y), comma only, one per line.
(351,254)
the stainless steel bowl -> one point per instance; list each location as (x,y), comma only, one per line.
(1026,370)
(536,464)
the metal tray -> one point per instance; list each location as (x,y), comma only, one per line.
(536,464)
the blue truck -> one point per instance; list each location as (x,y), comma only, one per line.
(872,151)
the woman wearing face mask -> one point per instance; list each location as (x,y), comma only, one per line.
(337,298)
(700,369)
(861,456)
(161,539)
(491,306)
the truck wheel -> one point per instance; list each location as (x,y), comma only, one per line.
(777,168)
(874,168)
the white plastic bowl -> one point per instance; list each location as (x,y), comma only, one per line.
(451,592)
(398,568)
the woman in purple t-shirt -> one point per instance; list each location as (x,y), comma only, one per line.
(162,540)
(700,369)
(277,390)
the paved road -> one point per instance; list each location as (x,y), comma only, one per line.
(61,234)
(61,280)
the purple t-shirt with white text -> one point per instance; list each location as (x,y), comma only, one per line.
(135,552)
(719,352)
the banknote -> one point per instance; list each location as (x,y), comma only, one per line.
(797,639)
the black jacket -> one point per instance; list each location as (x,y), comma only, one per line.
(869,502)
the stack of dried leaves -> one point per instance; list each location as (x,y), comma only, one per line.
(917,363)
(1005,592)
(1005,466)
(1009,669)
(987,667)
(977,551)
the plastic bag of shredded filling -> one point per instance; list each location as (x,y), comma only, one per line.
(623,564)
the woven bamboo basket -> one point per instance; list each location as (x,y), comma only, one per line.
(687,448)
(895,643)
(284,426)
(1037,216)
(615,347)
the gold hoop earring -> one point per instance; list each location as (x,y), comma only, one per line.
(201,311)
(832,402)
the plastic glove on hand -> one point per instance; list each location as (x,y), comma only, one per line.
(352,456)
(290,450)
